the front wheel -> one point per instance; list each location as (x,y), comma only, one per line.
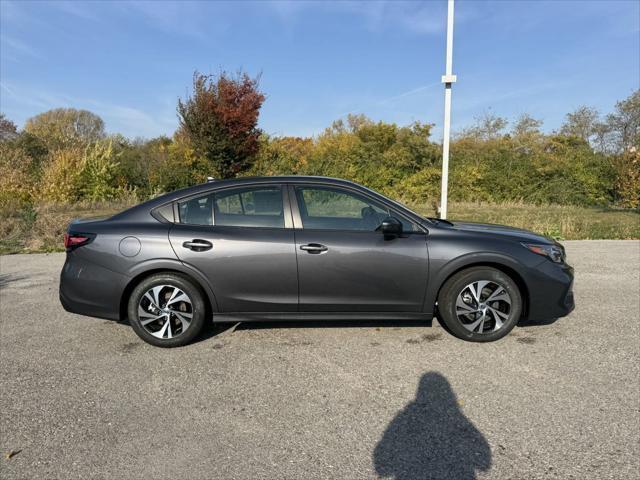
(166,310)
(480,304)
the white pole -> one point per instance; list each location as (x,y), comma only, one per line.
(447,79)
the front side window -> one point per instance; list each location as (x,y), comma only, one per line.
(326,208)
(236,207)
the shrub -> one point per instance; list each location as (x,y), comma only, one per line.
(60,181)
(16,179)
(98,175)
(627,167)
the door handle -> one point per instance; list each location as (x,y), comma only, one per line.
(198,245)
(313,248)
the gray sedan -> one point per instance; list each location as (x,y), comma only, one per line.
(305,248)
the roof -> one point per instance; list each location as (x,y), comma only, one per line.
(187,191)
(141,211)
(284,178)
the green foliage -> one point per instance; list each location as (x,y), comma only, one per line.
(8,129)
(62,155)
(180,167)
(282,156)
(582,123)
(33,147)
(378,155)
(72,175)
(627,187)
(138,162)
(624,123)
(486,165)
(60,179)
(17,182)
(98,172)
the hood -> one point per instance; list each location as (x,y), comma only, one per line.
(501,230)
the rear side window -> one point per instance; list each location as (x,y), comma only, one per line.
(237,207)
(250,207)
(197,211)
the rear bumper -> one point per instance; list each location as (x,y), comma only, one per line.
(90,289)
(550,291)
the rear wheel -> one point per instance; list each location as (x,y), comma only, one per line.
(480,304)
(166,310)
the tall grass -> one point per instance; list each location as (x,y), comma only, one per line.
(563,222)
(41,228)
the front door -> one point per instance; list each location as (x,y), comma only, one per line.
(242,241)
(345,265)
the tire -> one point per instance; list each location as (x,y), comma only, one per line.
(167,296)
(484,318)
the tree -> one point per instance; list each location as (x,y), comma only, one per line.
(66,128)
(624,124)
(526,126)
(487,127)
(582,123)
(8,129)
(220,119)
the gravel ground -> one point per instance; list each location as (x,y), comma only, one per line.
(85,398)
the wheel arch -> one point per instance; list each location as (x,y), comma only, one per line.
(503,266)
(184,272)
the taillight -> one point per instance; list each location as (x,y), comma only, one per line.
(72,240)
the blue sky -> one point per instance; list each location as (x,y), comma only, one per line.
(130,61)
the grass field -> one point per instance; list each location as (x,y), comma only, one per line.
(563,222)
(41,229)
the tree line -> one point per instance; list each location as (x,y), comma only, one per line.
(65,155)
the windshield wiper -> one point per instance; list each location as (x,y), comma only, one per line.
(439,220)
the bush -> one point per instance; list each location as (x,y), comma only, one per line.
(98,173)
(16,179)
(627,168)
(60,181)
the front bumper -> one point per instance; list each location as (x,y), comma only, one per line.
(550,288)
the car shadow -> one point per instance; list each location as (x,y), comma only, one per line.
(218,329)
(352,323)
(431,438)
(7,278)
(536,322)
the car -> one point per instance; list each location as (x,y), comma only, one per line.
(305,248)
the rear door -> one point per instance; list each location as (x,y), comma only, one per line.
(344,264)
(242,240)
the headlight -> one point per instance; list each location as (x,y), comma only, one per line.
(552,252)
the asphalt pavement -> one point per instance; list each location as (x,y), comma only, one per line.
(85,398)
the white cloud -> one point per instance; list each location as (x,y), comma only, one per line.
(415,17)
(191,19)
(15,48)
(83,10)
(126,119)
(410,93)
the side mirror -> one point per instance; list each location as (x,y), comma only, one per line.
(391,227)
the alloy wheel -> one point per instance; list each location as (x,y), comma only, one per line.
(165,311)
(483,306)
